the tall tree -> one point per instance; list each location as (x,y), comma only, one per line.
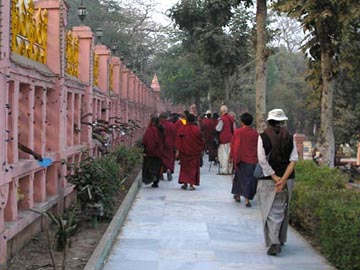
(182,76)
(205,23)
(347,94)
(286,73)
(261,54)
(326,21)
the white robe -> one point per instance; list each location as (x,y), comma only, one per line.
(223,156)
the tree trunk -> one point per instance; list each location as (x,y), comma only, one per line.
(198,104)
(227,89)
(260,82)
(210,106)
(326,128)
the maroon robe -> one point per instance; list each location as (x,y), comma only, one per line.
(190,145)
(169,149)
(213,149)
(207,131)
(228,128)
(153,142)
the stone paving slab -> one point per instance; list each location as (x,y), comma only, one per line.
(173,229)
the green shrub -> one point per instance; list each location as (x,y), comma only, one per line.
(314,184)
(97,181)
(319,177)
(340,229)
(330,213)
(305,199)
(127,158)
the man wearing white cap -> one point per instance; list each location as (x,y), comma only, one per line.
(277,157)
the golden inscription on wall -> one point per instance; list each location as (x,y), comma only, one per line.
(29,30)
(72,54)
(111,77)
(96,69)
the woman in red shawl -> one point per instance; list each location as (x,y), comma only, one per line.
(243,151)
(153,141)
(189,144)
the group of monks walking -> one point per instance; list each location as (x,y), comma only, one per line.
(237,151)
(169,138)
(188,138)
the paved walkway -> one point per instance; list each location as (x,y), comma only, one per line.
(173,229)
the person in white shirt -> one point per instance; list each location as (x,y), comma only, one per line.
(277,156)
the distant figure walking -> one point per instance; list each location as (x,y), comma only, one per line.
(153,142)
(169,149)
(244,155)
(275,189)
(214,145)
(189,145)
(225,127)
(207,130)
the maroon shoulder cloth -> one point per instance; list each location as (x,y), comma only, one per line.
(189,140)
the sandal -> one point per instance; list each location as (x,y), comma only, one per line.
(237,198)
(184,186)
(192,187)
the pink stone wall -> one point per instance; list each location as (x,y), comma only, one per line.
(51,113)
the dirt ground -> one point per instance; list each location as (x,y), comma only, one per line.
(35,255)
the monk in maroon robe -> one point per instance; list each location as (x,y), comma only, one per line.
(213,147)
(154,142)
(169,149)
(207,131)
(189,144)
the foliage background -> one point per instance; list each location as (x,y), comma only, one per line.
(197,62)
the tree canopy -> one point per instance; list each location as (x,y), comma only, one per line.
(213,34)
(183,76)
(209,56)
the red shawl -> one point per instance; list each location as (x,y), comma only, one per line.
(208,129)
(189,141)
(153,141)
(169,150)
(170,133)
(227,130)
(244,145)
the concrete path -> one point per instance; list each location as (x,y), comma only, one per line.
(173,229)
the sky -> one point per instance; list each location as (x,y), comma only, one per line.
(162,6)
